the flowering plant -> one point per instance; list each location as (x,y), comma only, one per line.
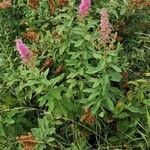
(84,80)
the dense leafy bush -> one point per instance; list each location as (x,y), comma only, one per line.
(82,78)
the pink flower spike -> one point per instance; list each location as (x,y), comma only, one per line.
(84,7)
(22,49)
(105,26)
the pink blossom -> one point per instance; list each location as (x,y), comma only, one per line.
(105,26)
(84,7)
(22,49)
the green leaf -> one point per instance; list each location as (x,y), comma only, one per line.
(110,104)
(45,123)
(135,109)
(56,92)
(42,100)
(105,84)
(2,131)
(122,115)
(90,90)
(96,106)
(146,102)
(101,114)
(69,93)
(115,77)
(101,65)
(81,71)
(92,70)
(72,82)
(140,95)
(45,82)
(94,94)
(88,37)
(62,49)
(75,55)
(50,139)
(55,80)
(119,107)
(39,89)
(29,83)
(81,84)
(96,83)
(41,125)
(148,119)
(97,55)
(50,104)
(78,43)
(115,13)
(133,82)
(60,110)
(72,75)
(116,68)
(37,133)
(125,2)
(40,146)
(51,131)
(68,104)
(147,74)
(71,62)
(142,81)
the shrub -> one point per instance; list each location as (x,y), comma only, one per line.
(82,81)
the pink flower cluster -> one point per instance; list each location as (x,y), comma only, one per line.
(84,7)
(26,54)
(105,26)
(22,49)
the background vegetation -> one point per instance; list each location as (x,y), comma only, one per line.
(77,93)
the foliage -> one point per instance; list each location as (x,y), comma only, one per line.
(82,93)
